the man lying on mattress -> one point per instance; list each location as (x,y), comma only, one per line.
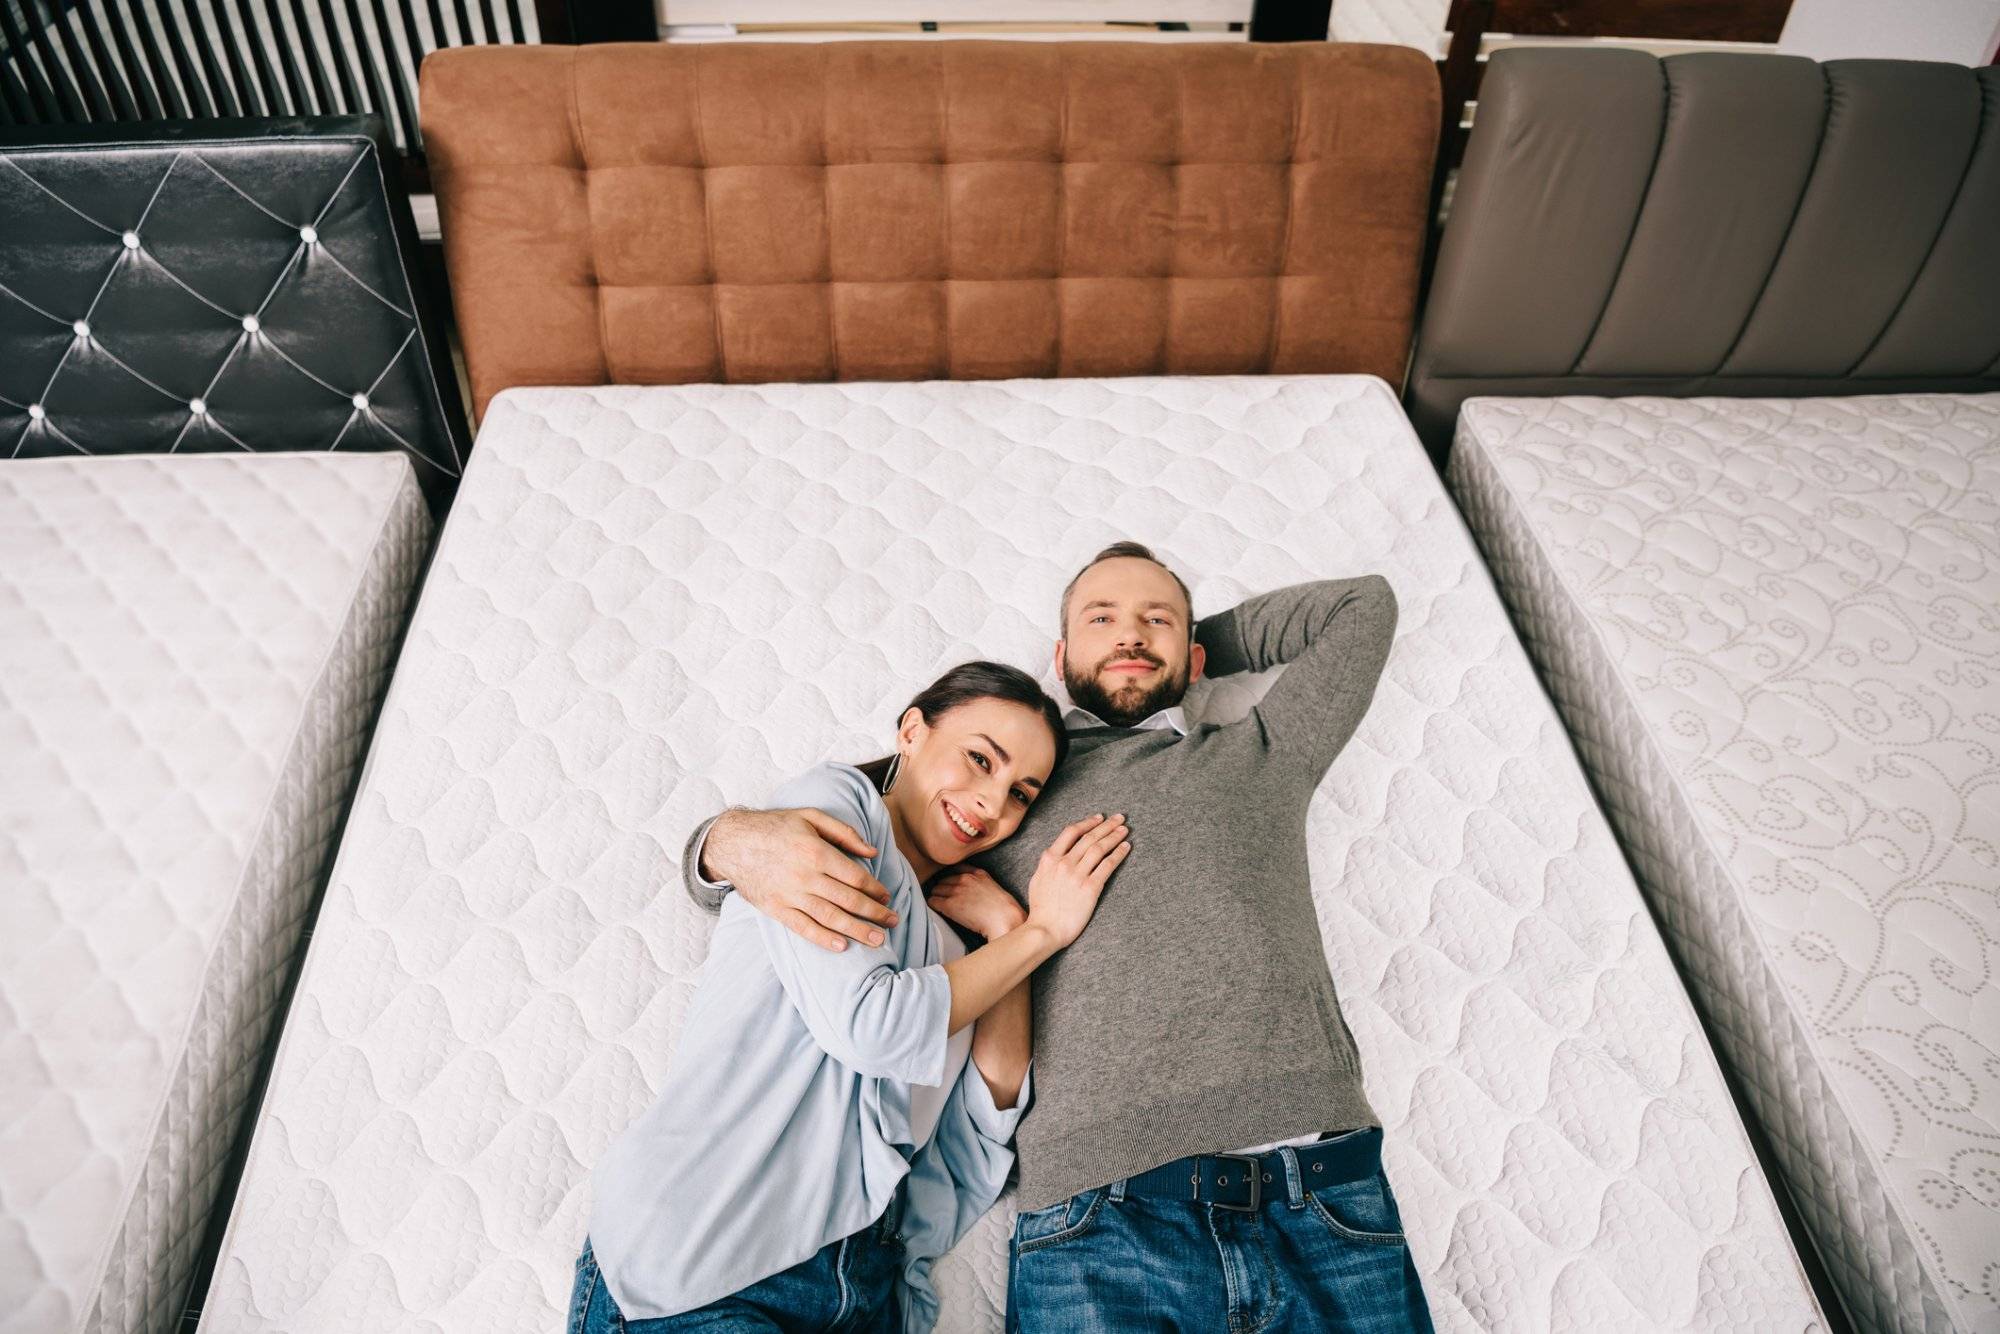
(1199,1153)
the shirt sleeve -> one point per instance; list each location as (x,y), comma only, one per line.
(1334,634)
(956,1177)
(987,1120)
(707,894)
(861,1005)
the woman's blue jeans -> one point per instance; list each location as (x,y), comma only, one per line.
(847,1285)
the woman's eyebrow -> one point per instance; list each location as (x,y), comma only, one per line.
(1005,758)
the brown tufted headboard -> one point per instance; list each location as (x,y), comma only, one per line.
(951,210)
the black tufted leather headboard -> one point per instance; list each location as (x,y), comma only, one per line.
(217,285)
(1717,224)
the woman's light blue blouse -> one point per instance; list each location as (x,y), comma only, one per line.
(783,1122)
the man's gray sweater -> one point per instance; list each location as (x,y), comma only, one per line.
(1195,1013)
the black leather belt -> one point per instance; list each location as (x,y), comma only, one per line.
(1236,1181)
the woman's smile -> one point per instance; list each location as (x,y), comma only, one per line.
(963,827)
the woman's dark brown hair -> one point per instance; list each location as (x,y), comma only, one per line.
(978,680)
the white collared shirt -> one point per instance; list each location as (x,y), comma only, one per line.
(1175,717)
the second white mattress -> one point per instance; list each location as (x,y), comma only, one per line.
(191,651)
(1774,625)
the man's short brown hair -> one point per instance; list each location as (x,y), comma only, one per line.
(1112,552)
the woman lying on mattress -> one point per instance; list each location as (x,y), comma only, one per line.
(822,1136)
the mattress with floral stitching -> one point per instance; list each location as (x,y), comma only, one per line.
(1773,627)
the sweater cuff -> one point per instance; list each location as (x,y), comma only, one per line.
(707,894)
(988,1119)
(1223,642)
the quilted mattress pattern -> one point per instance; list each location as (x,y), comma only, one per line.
(1771,625)
(191,650)
(650,601)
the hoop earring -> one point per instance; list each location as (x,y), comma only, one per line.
(889,775)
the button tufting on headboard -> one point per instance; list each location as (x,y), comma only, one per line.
(215,286)
(747,212)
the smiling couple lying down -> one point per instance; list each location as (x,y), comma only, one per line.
(852,1077)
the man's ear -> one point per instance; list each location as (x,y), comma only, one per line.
(1197,659)
(1059,659)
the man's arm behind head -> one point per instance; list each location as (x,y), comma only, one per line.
(795,866)
(1334,635)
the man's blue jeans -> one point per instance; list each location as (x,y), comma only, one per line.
(1331,1258)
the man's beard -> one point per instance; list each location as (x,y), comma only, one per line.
(1129,705)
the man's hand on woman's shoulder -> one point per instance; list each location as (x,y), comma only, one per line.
(797,867)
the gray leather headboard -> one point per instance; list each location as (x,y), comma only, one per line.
(1717,224)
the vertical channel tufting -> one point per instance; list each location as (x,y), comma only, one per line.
(1970,116)
(1808,230)
(1667,110)
(1716,212)
(1511,317)
(1819,149)
(1898,138)
(1950,318)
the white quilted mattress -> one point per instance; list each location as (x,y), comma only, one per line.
(191,650)
(1772,626)
(652,601)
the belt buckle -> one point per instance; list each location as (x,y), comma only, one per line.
(1254,1175)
